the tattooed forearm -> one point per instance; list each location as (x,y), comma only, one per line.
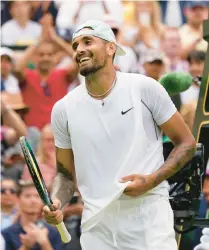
(63,186)
(177,159)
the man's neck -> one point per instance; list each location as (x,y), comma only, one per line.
(100,82)
(22,22)
(7,209)
(25,219)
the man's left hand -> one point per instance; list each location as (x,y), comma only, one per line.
(139,185)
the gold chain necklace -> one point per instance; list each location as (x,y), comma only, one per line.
(113,85)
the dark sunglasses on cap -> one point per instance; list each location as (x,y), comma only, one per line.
(12,190)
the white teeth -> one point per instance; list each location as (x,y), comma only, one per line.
(84,59)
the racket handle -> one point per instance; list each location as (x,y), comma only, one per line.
(65,236)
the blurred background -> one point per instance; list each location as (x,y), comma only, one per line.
(37,69)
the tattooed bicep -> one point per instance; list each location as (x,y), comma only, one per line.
(65,162)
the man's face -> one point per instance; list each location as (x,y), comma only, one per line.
(45,57)
(171,43)
(196,68)
(154,69)
(196,15)
(90,53)
(8,193)
(21,9)
(6,65)
(30,202)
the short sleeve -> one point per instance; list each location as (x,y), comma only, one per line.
(158,101)
(60,125)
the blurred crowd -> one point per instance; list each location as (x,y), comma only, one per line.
(37,69)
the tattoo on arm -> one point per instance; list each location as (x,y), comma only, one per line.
(63,186)
(177,159)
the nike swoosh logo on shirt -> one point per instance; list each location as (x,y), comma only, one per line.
(124,112)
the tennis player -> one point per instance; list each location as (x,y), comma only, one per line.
(108,135)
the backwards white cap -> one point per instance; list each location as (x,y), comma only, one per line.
(99,29)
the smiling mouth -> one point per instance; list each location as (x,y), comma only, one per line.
(84,60)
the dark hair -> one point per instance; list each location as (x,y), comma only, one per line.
(196,55)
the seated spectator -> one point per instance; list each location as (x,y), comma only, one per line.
(44,86)
(171,46)
(45,156)
(72,218)
(149,26)
(9,117)
(13,116)
(191,32)
(9,202)
(196,61)
(20,30)
(29,231)
(128,62)
(39,8)
(2,243)
(73,13)
(173,12)
(153,64)
(5,15)
(9,82)
(188,111)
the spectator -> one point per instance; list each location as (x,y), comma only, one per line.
(2,243)
(11,155)
(9,83)
(171,46)
(9,116)
(73,13)
(191,32)
(128,62)
(9,202)
(20,30)
(196,61)
(14,117)
(72,218)
(5,15)
(43,86)
(153,64)
(39,8)
(173,12)
(45,156)
(149,26)
(188,111)
(29,232)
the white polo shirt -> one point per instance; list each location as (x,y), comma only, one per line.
(112,140)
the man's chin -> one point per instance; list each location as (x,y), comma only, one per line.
(89,70)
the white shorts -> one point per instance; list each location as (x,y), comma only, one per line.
(144,223)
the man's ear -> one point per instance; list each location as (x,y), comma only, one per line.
(111,49)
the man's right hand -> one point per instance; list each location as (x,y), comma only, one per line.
(53,217)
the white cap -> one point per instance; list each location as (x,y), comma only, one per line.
(99,29)
(6,52)
(152,55)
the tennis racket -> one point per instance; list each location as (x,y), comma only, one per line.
(40,184)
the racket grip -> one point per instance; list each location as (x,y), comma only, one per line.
(65,236)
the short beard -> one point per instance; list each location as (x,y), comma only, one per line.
(91,71)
